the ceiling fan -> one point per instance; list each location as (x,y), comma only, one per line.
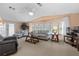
(39,4)
(10,7)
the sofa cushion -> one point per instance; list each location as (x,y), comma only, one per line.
(43,35)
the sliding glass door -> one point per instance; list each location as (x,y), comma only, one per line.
(7,29)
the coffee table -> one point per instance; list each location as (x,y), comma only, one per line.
(32,39)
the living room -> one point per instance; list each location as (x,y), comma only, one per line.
(39,29)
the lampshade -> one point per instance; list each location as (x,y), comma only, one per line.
(55,29)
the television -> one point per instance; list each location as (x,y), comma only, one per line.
(76,29)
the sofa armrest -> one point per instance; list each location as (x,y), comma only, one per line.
(7,42)
(9,38)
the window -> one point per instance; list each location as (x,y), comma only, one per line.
(7,29)
(11,29)
(3,30)
(41,27)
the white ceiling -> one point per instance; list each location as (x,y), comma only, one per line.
(21,10)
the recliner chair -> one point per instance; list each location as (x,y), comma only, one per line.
(8,45)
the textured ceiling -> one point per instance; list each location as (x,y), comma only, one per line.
(20,13)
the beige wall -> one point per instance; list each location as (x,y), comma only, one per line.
(54,20)
(17,25)
(74,19)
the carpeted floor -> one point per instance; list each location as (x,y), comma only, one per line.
(45,48)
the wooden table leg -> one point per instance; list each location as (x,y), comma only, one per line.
(77,43)
(64,38)
(57,38)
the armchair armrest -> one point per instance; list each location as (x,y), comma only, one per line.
(7,42)
(8,47)
(10,38)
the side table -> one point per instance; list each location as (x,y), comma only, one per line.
(55,37)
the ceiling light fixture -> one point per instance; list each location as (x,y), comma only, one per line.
(31,13)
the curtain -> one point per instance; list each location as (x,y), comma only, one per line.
(65,24)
